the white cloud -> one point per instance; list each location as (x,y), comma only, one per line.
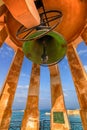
(23,87)
(82,52)
(69,92)
(85,66)
(19,101)
(22,92)
(65,67)
(9,49)
(66,57)
(25,75)
(5,51)
(20,96)
(65,94)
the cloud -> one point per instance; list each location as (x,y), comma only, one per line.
(25,75)
(65,67)
(0,86)
(65,94)
(6,51)
(21,92)
(81,52)
(69,92)
(23,86)
(66,57)
(85,66)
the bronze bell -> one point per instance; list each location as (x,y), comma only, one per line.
(47,50)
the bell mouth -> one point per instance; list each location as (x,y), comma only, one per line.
(47,50)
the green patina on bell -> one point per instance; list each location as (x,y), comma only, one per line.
(46,50)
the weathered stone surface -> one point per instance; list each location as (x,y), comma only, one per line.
(84,35)
(80,81)
(3,34)
(31,114)
(57,99)
(73,20)
(24,11)
(1,2)
(74,16)
(8,90)
(11,43)
(2,9)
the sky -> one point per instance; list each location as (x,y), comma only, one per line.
(70,98)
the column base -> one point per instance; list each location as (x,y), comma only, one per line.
(5,118)
(32,124)
(83,114)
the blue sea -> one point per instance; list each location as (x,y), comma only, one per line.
(75,121)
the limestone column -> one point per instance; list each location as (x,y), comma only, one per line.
(3,33)
(31,114)
(8,90)
(59,118)
(80,81)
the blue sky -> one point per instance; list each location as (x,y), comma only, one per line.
(71,101)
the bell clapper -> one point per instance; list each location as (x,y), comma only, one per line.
(44,56)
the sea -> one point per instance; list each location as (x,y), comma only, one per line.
(17,115)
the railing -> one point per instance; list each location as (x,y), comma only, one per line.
(15,125)
(45,125)
(76,126)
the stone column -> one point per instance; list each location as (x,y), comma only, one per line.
(80,81)
(8,90)
(31,114)
(3,34)
(59,118)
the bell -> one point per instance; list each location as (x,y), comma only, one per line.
(47,50)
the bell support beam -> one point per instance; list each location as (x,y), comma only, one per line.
(84,34)
(8,90)
(1,2)
(31,114)
(3,32)
(24,11)
(3,9)
(77,41)
(73,20)
(80,81)
(59,118)
(11,44)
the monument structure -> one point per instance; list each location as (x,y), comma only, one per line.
(37,29)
